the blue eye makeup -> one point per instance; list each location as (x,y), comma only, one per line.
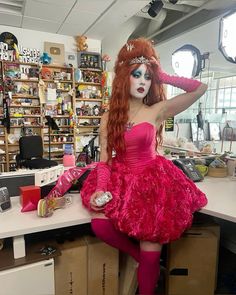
(137,74)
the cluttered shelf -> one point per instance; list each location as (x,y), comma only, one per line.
(55,91)
(89,99)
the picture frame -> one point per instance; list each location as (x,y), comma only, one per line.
(214,131)
(56,51)
(197,134)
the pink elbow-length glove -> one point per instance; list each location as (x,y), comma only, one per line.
(186,84)
(66,180)
(103,176)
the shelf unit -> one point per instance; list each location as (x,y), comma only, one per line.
(76,107)
(89,101)
(60,102)
(3,149)
(23,105)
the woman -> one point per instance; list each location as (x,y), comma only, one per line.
(153,201)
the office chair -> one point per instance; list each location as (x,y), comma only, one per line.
(31,153)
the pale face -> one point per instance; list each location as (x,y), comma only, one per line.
(140,82)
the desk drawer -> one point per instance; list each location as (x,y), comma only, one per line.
(47,176)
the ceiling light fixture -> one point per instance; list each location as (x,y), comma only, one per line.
(155,7)
(12,6)
(187,61)
(227,37)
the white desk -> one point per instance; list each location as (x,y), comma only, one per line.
(15,224)
(221,195)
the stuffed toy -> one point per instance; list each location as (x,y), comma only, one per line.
(45,58)
(81,43)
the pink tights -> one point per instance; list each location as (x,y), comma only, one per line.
(105,231)
(148,271)
(149,268)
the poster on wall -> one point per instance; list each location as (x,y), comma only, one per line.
(9,39)
(169,124)
(56,51)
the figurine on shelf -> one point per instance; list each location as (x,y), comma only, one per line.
(45,58)
(96,110)
(105,59)
(46,73)
(79,112)
(81,43)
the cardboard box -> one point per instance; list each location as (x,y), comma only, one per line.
(103,266)
(128,282)
(71,268)
(192,262)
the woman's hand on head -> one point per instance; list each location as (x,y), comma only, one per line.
(155,62)
(92,201)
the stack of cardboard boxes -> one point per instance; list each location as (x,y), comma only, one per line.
(192,262)
(86,266)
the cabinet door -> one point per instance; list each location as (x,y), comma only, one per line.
(35,278)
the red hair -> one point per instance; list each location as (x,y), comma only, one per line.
(119,103)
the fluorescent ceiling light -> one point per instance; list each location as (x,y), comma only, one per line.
(12,6)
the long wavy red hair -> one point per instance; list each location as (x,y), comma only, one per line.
(119,103)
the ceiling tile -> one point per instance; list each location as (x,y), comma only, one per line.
(70,30)
(46,11)
(82,18)
(10,19)
(119,13)
(57,2)
(84,12)
(95,6)
(40,25)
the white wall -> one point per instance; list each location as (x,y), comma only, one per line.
(36,39)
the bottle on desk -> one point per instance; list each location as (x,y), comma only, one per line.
(69,157)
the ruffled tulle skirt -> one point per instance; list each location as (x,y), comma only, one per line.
(155,203)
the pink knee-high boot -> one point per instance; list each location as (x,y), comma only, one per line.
(104,230)
(148,271)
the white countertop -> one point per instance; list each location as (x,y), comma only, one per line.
(221,195)
(15,223)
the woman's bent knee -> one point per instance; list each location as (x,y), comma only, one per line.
(150,246)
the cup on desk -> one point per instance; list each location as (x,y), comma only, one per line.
(202,169)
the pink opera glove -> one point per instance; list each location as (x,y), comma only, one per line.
(186,84)
(103,176)
(65,181)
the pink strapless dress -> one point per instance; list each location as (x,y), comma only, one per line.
(153,200)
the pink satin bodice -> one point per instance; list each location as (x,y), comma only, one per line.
(140,143)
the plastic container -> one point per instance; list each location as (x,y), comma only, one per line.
(68,160)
